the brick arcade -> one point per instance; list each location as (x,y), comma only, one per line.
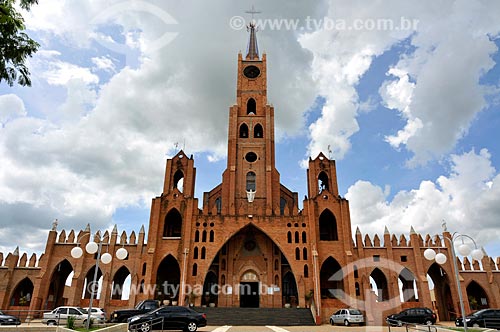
(250,233)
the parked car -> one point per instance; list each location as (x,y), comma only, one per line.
(98,314)
(8,319)
(121,316)
(168,318)
(60,316)
(414,316)
(488,318)
(347,317)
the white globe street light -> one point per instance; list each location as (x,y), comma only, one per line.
(106,258)
(464,250)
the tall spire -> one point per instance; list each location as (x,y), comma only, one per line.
(252,48)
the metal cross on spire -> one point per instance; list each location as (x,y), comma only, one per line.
(252,12)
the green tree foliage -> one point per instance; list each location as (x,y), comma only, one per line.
(15,45)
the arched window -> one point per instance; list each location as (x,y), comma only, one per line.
(141,287)
(218,205)
(276,265)
(204,236)
(211,239)
(195,253)
(173,224)
(179,180)
(243,131)
(197,236)
(250,181)
(282,206)
(356,275)
(304,237)
(223,265)
(328,226)
(144,269)
(296,237)
(289,237)
(297,253)
(203,253)
(304,254)
(258,132)
(251,106)
(306,271)
(478,299)
(195,270)
(323,182)
(358,290)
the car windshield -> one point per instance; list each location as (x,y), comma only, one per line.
(479,312)
(354,312)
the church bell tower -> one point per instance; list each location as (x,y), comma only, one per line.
(251,181)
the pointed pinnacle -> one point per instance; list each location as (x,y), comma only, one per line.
(142,230)
(386,230)
(358,231)
(16,251)
(115,229)
(87,229)
(412,230)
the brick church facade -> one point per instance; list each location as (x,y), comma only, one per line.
(250,245)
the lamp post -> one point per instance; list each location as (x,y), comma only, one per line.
(106,258)
(463,250)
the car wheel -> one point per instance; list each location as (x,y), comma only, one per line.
(400,323)
(51,322)
(332,322)
(346,322)
(428,322)
(145,327)
(475,325)
(191,327)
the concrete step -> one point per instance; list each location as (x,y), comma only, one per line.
(258,316)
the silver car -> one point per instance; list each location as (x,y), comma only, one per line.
(347,317)
(60,316)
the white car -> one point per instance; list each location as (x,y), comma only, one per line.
(59,316)
(347,317)
(98,315)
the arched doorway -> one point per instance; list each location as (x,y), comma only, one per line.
(168,278)
(210,289)
(22,294)
(331,279)
(441,288)
(477,296)
(57,285)
(249,290)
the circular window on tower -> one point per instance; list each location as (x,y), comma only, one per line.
(251,71)
(250,157)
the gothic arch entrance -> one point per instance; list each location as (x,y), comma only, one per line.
(442,292)
(57,285)
(252,267)
(168,278)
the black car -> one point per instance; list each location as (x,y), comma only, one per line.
(488,318)
(168,318)
(413,316)
(8,319)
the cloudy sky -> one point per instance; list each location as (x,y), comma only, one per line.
(403,94)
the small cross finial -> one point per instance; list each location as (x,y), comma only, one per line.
(252,12)
(176,145)
(329,152)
